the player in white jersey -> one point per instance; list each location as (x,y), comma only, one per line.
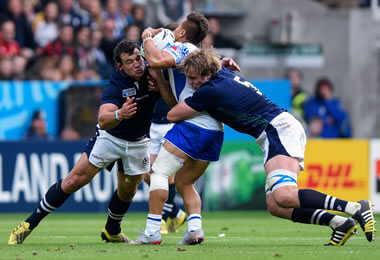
(190,145)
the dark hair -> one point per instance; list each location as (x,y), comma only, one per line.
(123,46)
(171,26)
(320,82)
(196,26)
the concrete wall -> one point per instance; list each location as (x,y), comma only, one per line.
(348,37)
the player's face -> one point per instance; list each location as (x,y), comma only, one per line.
(132,64)
(196,80)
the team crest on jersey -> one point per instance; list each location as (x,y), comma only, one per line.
(145,161)
(129,92)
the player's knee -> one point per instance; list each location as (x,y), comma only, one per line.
(285,198)
(74,182)
(126,196)
(273,208)
(165,165)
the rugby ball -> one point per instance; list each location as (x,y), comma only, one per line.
(161,40)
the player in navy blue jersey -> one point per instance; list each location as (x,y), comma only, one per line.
(124,119)
(234,101)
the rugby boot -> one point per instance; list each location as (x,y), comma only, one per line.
(155,239)
(192,238)
(342,233)
(164,227)
(176,223)
(364,216)
(119,238)
(19,234)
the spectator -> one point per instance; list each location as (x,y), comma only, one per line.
(23,29)
(315,127)
(6,68)
(208,41)
(126,7)
(37,130)
(112,12)
(46,29)
(298,95)
(138,12)
(103,68)
(67,14)
(95,9)
(329,109)
(62,45)
(108,42)
(81,7)
(67,67)
(19,65)
(133,33)
(8,45)
(221,41)
(70,134)
(169,11)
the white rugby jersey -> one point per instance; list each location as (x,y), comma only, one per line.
(182,89)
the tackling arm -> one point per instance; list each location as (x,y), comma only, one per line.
(164,88)
(154,56)
(181,112)
(109,116)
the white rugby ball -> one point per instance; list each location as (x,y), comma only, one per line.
(161,40)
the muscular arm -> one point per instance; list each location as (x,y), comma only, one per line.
(106,117)
(163,86)
(181,112)
(154,56)
(157,58)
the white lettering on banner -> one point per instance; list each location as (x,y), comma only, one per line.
(5,196)
(39,175)
(21,181)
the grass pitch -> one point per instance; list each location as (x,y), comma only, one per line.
(228,235)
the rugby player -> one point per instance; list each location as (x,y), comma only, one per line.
(124,119)
(190,145)
(234,101)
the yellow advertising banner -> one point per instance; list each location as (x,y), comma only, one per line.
(337,167)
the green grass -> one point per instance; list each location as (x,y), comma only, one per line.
(248,235)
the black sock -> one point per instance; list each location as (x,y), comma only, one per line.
(170,208)
(312,216)
(316,200)
(116,211)
(52,200)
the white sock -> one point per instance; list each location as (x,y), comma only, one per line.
(194,222)
(179,213)
(153,224)
(352,207)
(337,221)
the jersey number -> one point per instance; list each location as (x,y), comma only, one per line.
(247,84)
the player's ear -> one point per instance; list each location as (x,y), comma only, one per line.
(119,65)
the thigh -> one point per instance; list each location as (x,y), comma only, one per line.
(82,173)
(191,171)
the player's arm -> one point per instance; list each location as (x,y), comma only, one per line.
(181,112)
(163,87)
(155,57)
(110,116)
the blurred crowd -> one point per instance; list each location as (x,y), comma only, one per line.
(73,39)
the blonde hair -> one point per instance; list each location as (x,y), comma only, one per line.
(202,62)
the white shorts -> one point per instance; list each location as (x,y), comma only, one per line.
(284,135)
(157,133)
(134,155)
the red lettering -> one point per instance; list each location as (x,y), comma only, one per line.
(378,168)
(333,173)
(314,175)
(347,183)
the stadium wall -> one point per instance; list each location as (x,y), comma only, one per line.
(349,169)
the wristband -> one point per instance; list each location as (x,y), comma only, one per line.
(116,116)
(148,38)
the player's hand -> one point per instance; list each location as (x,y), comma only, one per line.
(230,64)
(128,109)
(149,33)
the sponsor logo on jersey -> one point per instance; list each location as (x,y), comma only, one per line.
(145,161)
(129,92)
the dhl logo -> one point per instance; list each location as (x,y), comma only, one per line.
(333,175)
(378,169)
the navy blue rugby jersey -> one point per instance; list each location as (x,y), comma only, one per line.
(160,112)
(116,92)
(233,100)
